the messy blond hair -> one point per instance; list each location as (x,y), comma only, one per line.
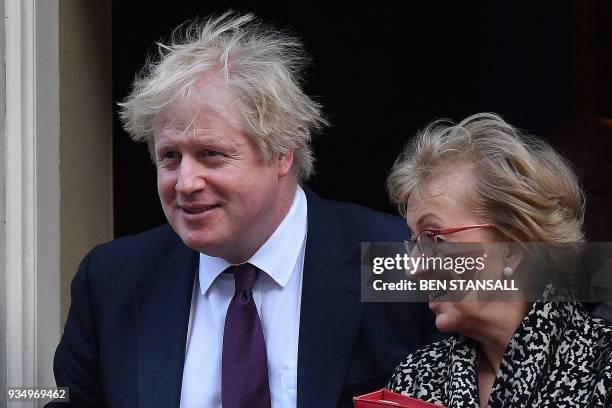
(262,69)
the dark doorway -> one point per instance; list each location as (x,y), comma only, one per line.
(382,72)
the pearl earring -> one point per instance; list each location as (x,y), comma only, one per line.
(508,272)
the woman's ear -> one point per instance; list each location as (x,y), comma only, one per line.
(512,255)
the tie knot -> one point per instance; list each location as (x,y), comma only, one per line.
(244,275)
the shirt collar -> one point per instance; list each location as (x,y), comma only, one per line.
(276,257)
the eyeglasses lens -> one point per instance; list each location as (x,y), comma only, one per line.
(427,244)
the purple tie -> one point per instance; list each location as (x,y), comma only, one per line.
(244,381)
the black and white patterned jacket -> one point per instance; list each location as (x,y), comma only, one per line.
(559,356)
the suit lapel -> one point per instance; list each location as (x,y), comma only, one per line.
(330,312)
(163,318)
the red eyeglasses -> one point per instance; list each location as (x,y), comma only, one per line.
(427,240)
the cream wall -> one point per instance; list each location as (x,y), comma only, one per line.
(86,109)
(3,354)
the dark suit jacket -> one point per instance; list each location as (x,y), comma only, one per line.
(124,340)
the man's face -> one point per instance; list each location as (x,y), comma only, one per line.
(215,190)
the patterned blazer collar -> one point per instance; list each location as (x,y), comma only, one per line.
(542,329)
(463,365)
(531,351)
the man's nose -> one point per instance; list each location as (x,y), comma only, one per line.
(191,177)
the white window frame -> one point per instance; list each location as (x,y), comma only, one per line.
(32,198)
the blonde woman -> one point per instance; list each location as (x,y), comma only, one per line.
(484,181)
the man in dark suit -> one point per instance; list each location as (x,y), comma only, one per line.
(250,297)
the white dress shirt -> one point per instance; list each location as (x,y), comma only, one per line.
(277,294)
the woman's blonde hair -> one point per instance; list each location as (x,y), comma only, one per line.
(522,186)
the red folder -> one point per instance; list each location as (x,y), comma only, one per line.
(385,398)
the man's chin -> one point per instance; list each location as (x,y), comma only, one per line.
(198,241)
(203,247)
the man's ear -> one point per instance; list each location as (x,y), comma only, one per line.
(285,162)
(513,254)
